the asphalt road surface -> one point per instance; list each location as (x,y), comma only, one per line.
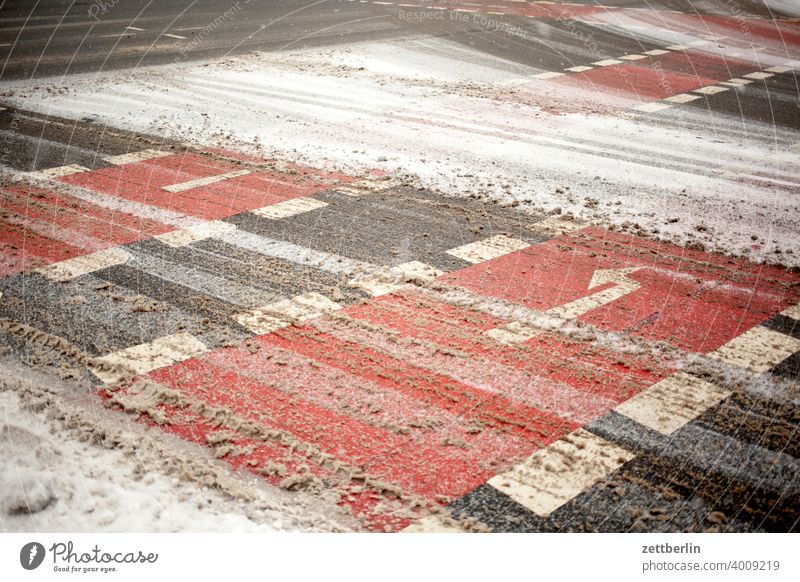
(369,337)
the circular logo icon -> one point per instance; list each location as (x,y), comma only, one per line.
(31,555)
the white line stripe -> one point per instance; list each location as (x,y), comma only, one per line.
(656,52)
(671,403)
(134,28)
(133,157)
(778,69)
(758,75)
(289,208)
(554,475)
(579,69)
(607,62)
(678,47)
(179,37)
(633,57)
(205,181)
(653,107)
(758,349)
(194,233)
(283,313)
(71,268)
(58,171)
(490,248)
(682,98)
(710,90)
(548,75)
(150,356)
(389,279)
(736,82)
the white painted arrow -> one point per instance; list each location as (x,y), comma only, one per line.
(518,332)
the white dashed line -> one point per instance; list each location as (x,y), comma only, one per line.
(204,181)
(189,235)
(150,356)
(633,57)
(778,69)
(134,157)
(656,52)
(671,403)
(547,75)
(758,75)
(682,98)
(283,313)
(758,349)
(179,37)
(71,268)
(58,172)
(485,250)
(607,62)
(579,69)
(710,90)
(289,208)
(736,82)
(560,472)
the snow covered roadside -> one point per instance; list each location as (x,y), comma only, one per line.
(447,118)
(54,479)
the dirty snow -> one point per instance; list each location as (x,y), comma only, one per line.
(463,123)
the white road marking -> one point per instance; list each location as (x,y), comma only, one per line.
(758,75)
(134,28)
(58,171)
(653,107)
(194,233)
(560,472)
(679,47)
(633,57)
(671,403)
(778,69)
(656,52)
(758,349)
(682,98)
(389,279)
(607,62)
(710,90)
(622,286)
(283,313)
(793,311)
(365,186)
(736,82)
(71,268)
(289,208)
(579,69)
(548,75)
(179,37)
(205,181)
(490,248)
(147,357)
(134,157)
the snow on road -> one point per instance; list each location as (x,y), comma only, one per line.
(464,123)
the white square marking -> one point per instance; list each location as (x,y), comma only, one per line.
(710,90)
(150,356)
(488,249)
(778,69)
(633,57)
(671,403)
(548,75)
(389,279)
(678,47)
(682,98)
(189,235)
(758,75)
(579,69)
(793,311)
(283,313)
(555,226)
(653,107)
(133,157)
(58,171)
(71,268)
(758,349)
(656,52)
(556,474)
(289,208)
(607,62)
(736,82)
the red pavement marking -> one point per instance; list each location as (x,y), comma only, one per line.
(23,249)
(704,66)
(143,182)
(588,368)
(403,460)
(693,300)
(635,83)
